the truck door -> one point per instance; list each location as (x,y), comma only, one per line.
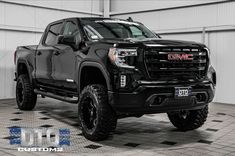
(45,53)
(65,61)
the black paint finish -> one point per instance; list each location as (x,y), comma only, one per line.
(64,69)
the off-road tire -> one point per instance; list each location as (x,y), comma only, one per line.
(96,97)
(193,120)
(25,97)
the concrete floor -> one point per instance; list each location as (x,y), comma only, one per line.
(148,135)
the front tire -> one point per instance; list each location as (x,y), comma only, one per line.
(188,119)
(96,116)
(25,97)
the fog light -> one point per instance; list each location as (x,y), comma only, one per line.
(123,81)
(201,97)
(159,99)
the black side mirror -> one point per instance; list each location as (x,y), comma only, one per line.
(69,40)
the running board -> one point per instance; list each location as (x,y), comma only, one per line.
(58,97)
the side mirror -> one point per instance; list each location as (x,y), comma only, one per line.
(69,40)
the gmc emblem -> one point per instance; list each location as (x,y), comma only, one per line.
(180,56)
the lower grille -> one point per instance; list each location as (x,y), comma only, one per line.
(179,102)
(159,65)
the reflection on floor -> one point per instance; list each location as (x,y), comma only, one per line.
(148,135)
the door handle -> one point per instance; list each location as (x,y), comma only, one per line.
(56,53)
(39,52)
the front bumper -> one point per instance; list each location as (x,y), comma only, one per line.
(157,97)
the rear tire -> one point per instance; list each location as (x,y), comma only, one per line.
(25,97)
(188,119)
(95,115)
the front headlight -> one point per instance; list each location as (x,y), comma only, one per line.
(209,75)
(118,56)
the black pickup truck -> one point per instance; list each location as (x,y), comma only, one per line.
(116,68)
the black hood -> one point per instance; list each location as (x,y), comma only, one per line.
(154,42)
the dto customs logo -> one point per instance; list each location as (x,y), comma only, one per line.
(39,139)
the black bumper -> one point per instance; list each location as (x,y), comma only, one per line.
(151,97)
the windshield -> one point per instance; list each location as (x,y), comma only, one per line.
(97,29)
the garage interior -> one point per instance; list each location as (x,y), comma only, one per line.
(211,22)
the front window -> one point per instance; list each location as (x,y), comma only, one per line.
(53,33)
(71,29)
(109,29)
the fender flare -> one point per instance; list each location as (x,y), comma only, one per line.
(23,61)
(98,66)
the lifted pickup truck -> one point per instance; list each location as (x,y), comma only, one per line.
(116,68)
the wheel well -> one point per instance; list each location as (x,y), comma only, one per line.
(22,69)
(91,75)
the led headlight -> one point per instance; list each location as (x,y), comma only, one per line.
(209,75)
(118,56)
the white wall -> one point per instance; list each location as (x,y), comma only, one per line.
(123,6)
(22,23)
(185,18)
(186,23)
(91,6)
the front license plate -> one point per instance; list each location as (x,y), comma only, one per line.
(182,92)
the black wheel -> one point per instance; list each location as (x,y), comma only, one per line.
(95,115)
(188,119)
(25,97)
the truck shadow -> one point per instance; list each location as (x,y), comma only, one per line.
(149,131)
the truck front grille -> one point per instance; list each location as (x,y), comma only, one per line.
(158,64)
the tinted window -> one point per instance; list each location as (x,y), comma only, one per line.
(116,29)
(72,29)
(136,32)
(53,33)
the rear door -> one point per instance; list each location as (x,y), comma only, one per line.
(65,61)
(45,52)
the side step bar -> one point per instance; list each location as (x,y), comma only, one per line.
(58,97)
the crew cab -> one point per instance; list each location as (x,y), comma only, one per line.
(113,68)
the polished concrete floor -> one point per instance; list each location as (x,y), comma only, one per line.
(148,135)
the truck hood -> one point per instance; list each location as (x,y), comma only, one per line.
(152,42)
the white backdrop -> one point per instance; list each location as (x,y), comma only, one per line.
(186,23)
(22,23)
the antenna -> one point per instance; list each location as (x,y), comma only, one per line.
(130,19)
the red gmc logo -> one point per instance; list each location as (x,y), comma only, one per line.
(180,56)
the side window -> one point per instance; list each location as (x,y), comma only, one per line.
(53,33)
(72,29)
